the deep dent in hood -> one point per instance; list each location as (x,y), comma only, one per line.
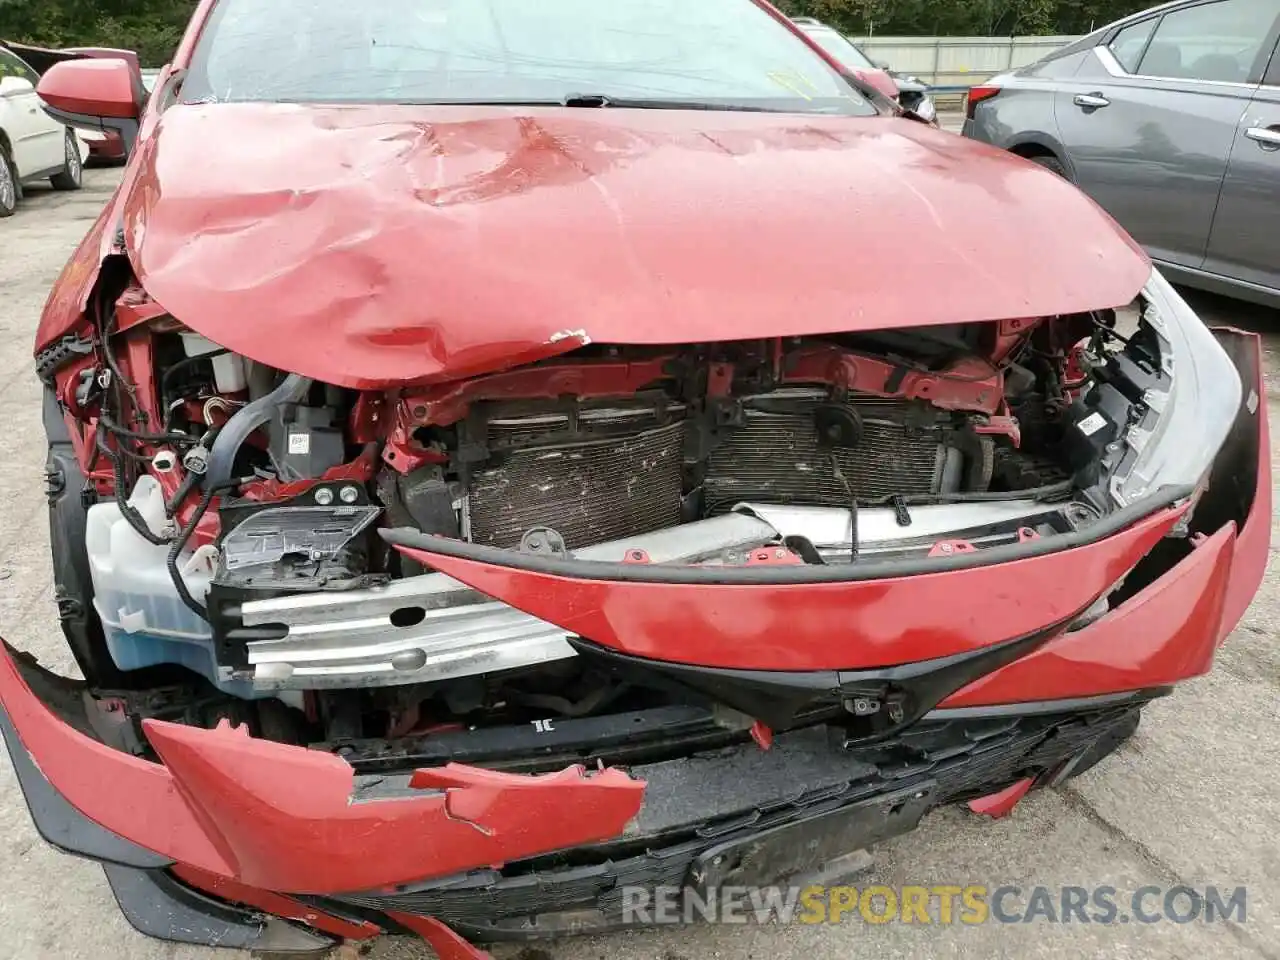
(372,246)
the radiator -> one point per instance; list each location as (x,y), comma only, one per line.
(776,458)
(590,491)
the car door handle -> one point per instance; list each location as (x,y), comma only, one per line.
(1267,137)
(1091,101)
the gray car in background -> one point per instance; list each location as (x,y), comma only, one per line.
(1170,119)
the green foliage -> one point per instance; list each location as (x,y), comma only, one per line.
(153,27)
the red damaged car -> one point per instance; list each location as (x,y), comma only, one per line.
(492,466)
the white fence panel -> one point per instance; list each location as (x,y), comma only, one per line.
(958,61)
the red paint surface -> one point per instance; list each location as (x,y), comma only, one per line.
(64,310)
(314,250)
(112,53)
(1165,634)
(880,80)
(854,625)
(112,148)
(449,403)
(281,818)
(444,942)
(274,903)
(762,735)
(969,383)
(91,88)
(998,805)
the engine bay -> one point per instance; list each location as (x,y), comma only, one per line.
(233,513)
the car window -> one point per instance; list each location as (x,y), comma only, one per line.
(712,52)
(1130,43)
(13,66)
(840,47)
(1213,41)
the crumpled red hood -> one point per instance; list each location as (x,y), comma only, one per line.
(371,246)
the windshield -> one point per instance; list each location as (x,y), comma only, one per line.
(840,47)
(633,52)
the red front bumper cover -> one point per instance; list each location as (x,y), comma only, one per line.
(253,821)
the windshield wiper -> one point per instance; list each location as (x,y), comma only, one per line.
(603,100)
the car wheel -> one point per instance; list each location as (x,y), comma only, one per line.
(1053,164)
(72,173)
(8,186)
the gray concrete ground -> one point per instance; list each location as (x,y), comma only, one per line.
(1192,799)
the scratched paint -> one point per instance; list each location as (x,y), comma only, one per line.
(378,246)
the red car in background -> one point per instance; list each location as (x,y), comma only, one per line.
(499,480)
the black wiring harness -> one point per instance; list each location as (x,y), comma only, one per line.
(122,445)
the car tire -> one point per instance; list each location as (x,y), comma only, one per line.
(71,175)
(8,185)
(1052,164)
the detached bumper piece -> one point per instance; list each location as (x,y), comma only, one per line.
(282,818)
(746,816)
(457,851)
(730,816)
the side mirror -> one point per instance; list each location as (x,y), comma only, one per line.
(11,86)
(94,95)
(923,109)
(882,65)
(877,80)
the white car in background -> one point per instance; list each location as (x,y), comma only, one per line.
(33,146)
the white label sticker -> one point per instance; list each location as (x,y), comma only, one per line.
(300,443)
(1092,424)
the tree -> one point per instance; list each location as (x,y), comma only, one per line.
(151,27)
(964,17)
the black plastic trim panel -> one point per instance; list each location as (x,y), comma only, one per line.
(910,690)
(157,905)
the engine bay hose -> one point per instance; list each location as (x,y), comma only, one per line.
(246,420)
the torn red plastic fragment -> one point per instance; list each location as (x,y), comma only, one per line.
(286,819)
(489,801)
(1001,804)
(274,903)
(762,735)
(441,938)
